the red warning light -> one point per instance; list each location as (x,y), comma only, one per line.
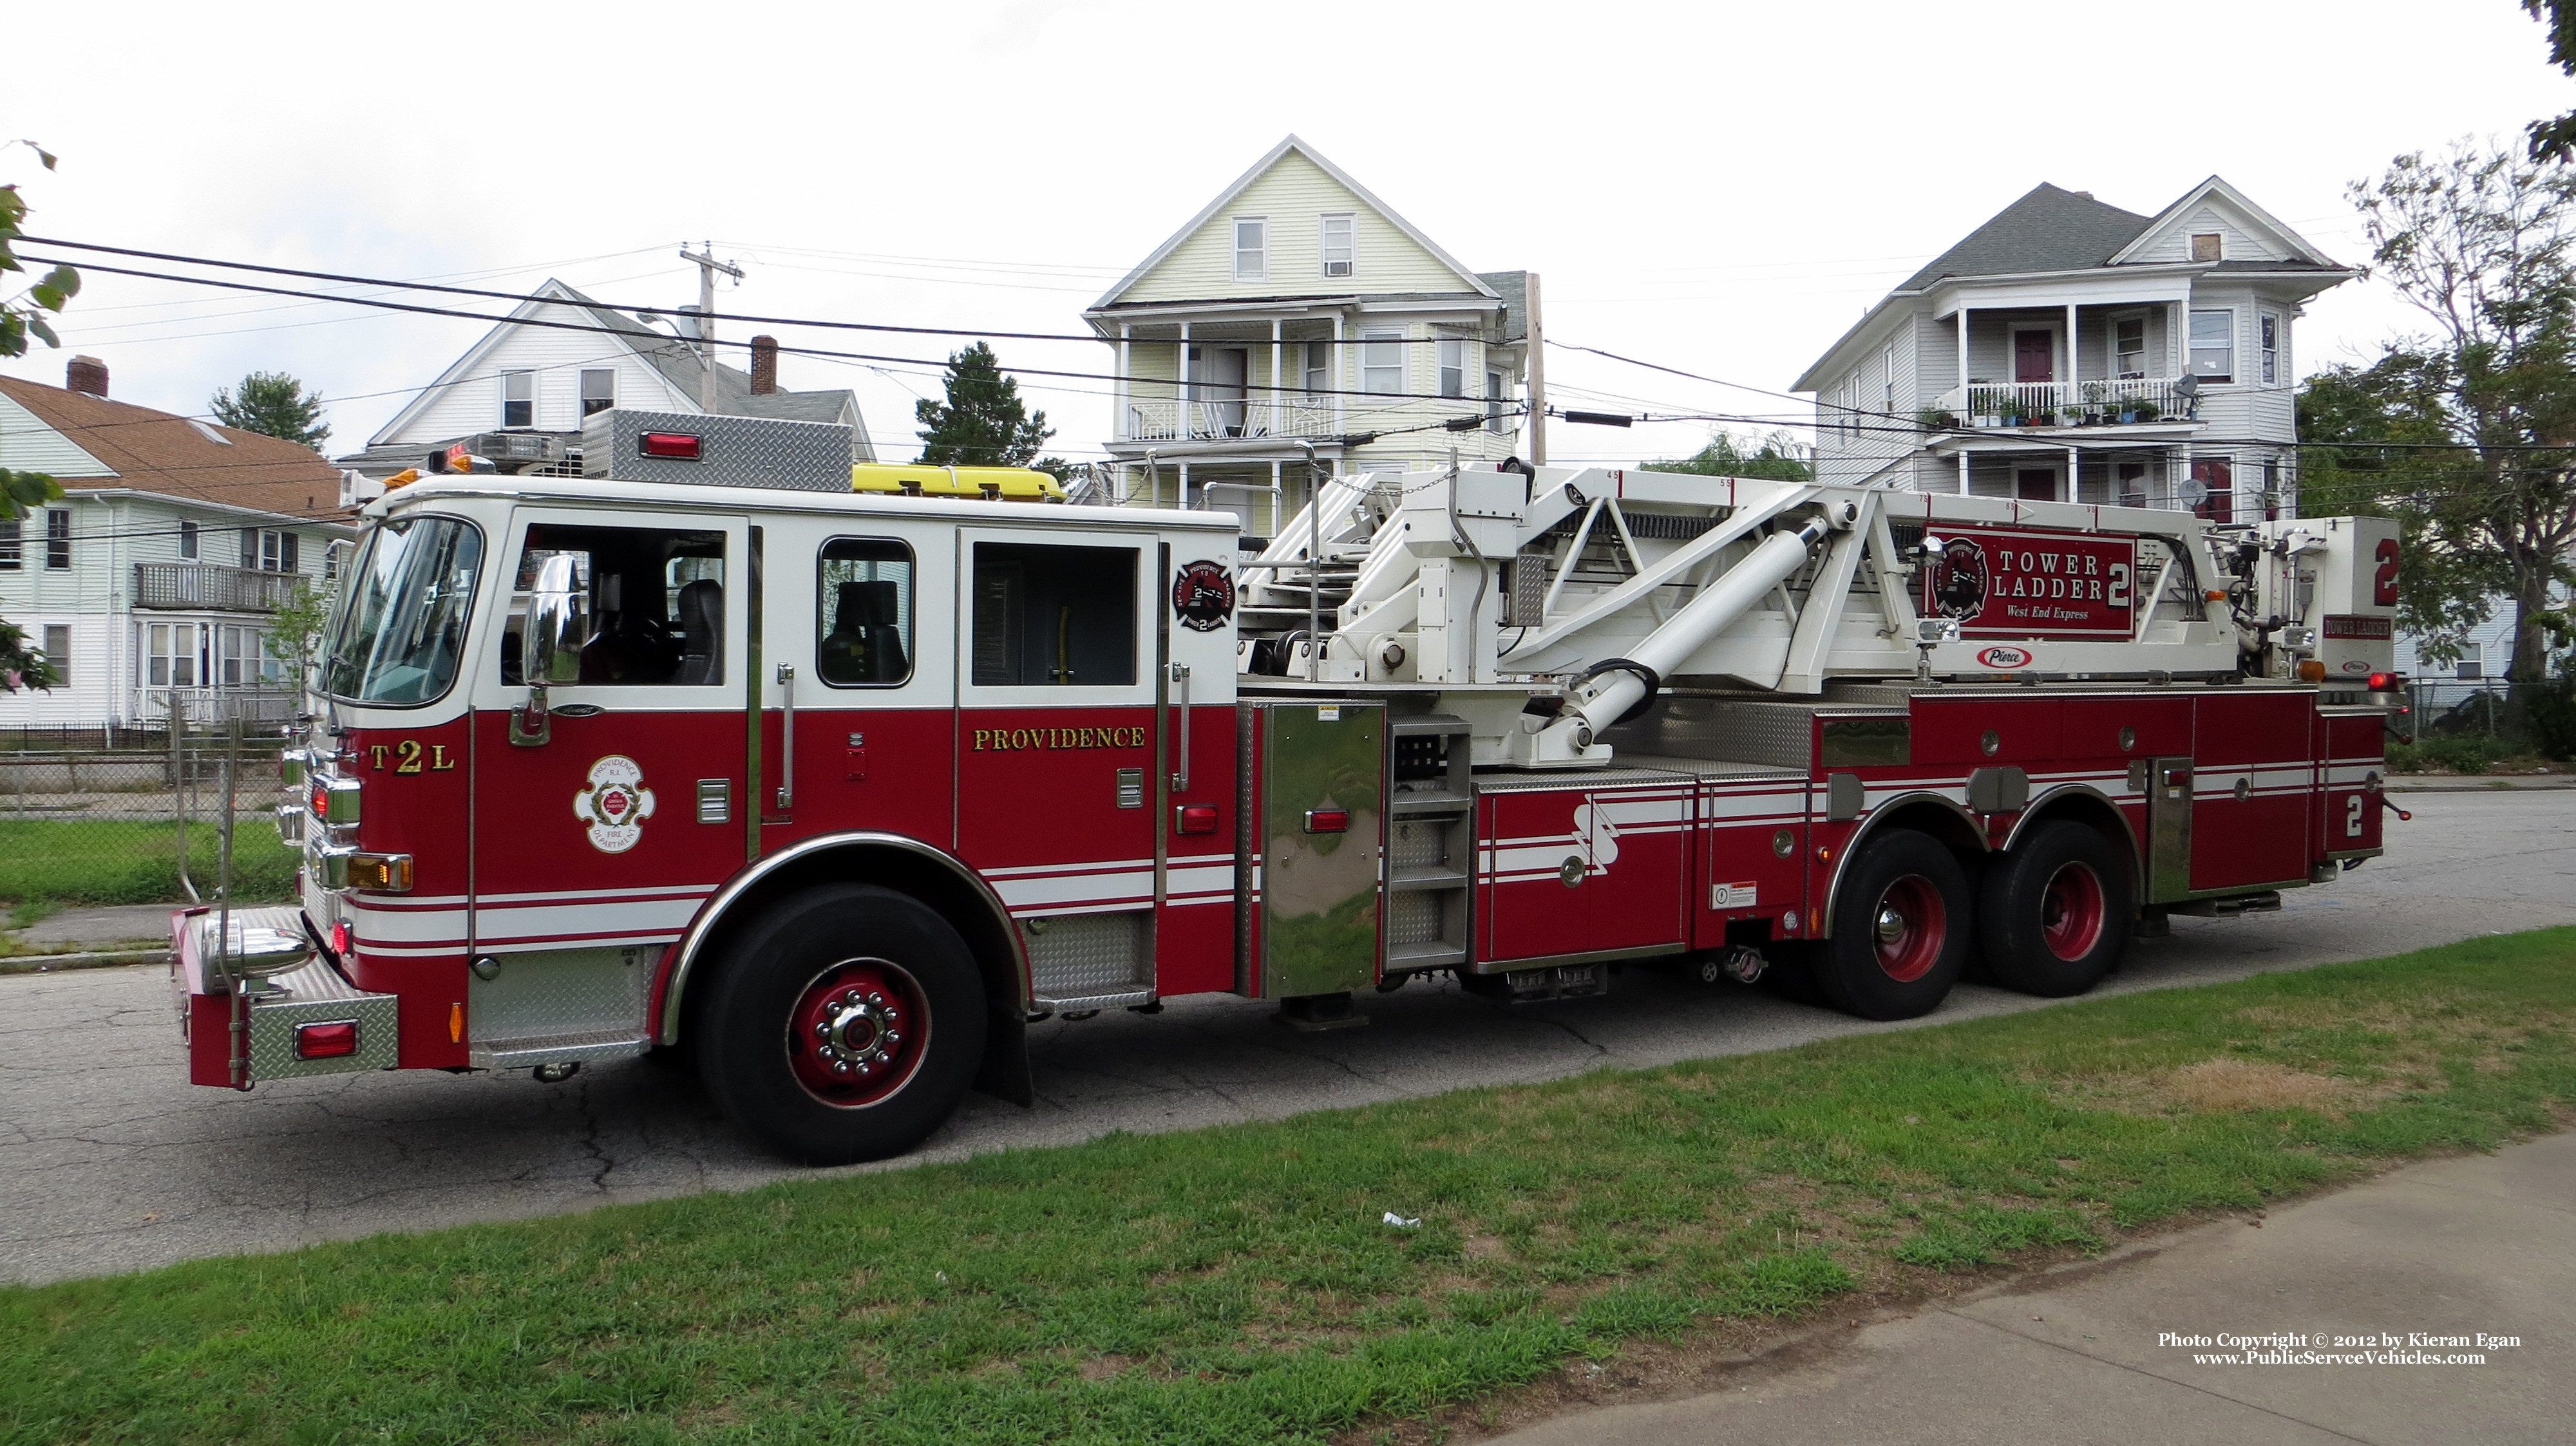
(679,445)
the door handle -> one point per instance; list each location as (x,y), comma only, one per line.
(1181,775)
(787,736)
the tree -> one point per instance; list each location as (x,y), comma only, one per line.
(983,423)
(2555,139)
(1779,456)
(2479,242)
(273,404)
(295,629)
(22,316)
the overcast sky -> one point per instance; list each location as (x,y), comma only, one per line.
(1717,187)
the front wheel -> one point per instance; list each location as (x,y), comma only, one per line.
(2055,915)
(1901,929)
(844,1025)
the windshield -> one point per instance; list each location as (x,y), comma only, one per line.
(400,626)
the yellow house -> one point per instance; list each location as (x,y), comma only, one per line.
(1299,318)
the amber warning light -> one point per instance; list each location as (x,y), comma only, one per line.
(678,445)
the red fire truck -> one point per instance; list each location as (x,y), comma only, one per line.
(836,789)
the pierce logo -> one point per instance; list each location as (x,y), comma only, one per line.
(2004,657)
(614,804)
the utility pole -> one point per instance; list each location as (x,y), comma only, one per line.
(1537,373)
(708,266)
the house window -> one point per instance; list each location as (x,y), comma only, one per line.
(598,391)
(2217,478)
(238,655)
(333,558)
(1453,366)
(1319,366)
(2270,326)
(2472,665)
(266,549)
(2274,503)
(58,539)
(13,546)
(58,650)
(1339,252)
(518,399)
(1495,421)
(2213,345)
(188,541)
(2208,246)
(1382,360)
(1887,361)
(170,655)
(1251,248)
(2129,346)
(2133,484)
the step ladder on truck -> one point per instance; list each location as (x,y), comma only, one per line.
(833,783)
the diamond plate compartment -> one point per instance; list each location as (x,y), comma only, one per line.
(316,994)
(1077,955)
(733,451)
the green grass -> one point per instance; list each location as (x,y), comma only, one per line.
(1236,1285)
(121,861)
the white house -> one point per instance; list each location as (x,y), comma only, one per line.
(541,380)
(1298,309)
(2071,350)
(155,576)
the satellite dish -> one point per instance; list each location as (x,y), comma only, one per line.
(2194,491)
(2188,387)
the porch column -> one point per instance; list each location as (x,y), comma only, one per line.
(1278,500)
(1967,403)
(1278,353)
(1125,427)
(1181,391)
(1963,471)
(2072,374)
(2074,470)
(1183,473)
(1341,423)
(2177,473)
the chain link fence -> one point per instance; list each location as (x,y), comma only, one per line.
(132,815)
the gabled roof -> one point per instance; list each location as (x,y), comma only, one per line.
(2047,230)
(2303,256)
(675,360)
(1470,281)
(143,450)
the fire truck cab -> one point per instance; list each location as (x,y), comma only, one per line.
(834,784)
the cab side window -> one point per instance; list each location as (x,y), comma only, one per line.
(864,597)
(1050,616)
(656,603)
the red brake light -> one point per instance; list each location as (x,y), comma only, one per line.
(1328,820)
(340,938)
(2382,682)
(1195,818)
(671,444)
(326,1041)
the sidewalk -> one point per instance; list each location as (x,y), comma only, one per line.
(2450,1248)
(2475,782)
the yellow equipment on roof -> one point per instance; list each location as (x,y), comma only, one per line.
(1019,484)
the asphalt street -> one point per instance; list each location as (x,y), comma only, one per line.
(110,1161)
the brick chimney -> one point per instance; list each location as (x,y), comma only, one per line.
(764,365)
(86,374)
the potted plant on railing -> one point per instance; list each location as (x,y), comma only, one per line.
(1933,419)
(2096,411)
(2139,409)
(1982,411)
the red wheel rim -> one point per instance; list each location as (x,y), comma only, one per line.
(1908,926)
(2070,912)
(857,1033)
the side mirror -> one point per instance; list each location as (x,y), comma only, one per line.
(550,648)
(558,624)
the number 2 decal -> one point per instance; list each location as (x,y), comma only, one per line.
(2352,816)
(2383,583)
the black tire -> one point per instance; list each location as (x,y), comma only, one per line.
(900,987)
(2054,915)
(1916,888)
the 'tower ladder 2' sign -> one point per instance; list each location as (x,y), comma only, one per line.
(2001,583)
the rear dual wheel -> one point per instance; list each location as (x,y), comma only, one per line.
(2053,914)
(844,1025)
(1901,929)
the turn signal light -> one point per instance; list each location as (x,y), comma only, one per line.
(380,873)
(334,1040)
(671,444)
(1328,820)
(1194,818)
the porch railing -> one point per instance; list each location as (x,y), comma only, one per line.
(212,586)
(1293,415)
(2097,403)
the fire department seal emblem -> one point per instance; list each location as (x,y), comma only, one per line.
(1958,582)
(614,803)
(1202,596)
